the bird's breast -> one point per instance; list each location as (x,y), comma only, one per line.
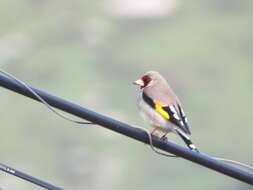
(151,115)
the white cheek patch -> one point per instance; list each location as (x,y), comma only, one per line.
(150,83)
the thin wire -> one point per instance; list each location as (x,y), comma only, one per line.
(152,146)
(171,155)
(43,101)
(71,120)
(234,162)
(90,123)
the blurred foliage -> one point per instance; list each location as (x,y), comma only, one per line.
(79,50)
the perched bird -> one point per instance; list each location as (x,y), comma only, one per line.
(159,105)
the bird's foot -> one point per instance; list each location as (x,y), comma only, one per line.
(164,138)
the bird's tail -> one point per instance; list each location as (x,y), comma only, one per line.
(187,140)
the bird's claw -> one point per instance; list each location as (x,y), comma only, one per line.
(164,138)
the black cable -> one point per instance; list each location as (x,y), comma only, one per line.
(43,101)
(70,119)
(29,178)
(128,130)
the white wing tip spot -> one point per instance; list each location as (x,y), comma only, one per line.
(192,146)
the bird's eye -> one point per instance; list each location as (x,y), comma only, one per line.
(146,80)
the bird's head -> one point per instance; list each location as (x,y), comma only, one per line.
(148,79)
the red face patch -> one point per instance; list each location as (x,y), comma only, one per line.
(146,80)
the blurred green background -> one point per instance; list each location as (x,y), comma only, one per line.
(90,52)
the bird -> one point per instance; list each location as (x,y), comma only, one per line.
(161,108)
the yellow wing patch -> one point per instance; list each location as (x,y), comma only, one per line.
(159,109)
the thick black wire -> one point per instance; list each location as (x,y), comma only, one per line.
(28,177)
(85,122)
(128,130)
(43,101)
(21,174)
(72,120)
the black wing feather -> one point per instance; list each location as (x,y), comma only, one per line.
(173,119)
(184,119)
(178,119)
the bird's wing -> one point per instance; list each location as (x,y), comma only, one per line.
(184,119)
(169,112)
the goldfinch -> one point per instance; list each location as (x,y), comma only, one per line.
(159,105)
